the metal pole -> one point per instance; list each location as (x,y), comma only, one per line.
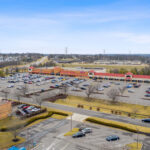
(71,122)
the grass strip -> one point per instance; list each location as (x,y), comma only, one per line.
(71,132)
(134,146)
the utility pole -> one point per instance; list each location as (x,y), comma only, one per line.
(66,50)
(71,122)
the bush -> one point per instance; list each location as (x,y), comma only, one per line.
(98,109)
(49,114)
(120,125)
(60,113)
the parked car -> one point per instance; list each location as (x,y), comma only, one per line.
(42,90)
(38,84)
(112,138)
(106,85)
(74,89)
(117,83)
(30,107)
(86,130)
(129,86)
(85,84)
(146,120)
(78,134)
(148,91)
(25,107)
(19,88)
(100,89)
(52,86)
(10,86)
(30,82)
(82,88)
(53,81)
(56,86)
(35,109)
(21,106)
(131,91)
(147,95)
(136,85)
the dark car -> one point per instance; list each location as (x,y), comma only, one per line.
(112,138)
(147,95)
(85,84)
(78,134)
(42,90)
(137,85)
(82,88)
(56,86)
(146,120)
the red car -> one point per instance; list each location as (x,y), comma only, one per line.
(52,86)
(148,91)
(25,107)
(30,82)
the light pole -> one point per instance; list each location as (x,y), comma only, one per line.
(71,122)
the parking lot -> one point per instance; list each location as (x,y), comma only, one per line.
(50,132)
(75,87)
(50,135)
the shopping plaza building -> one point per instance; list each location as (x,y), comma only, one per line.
(93,74)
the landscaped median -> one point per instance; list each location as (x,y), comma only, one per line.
(134,146)
(71,132)
(119,125)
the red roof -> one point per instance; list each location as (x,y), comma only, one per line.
(91,71)
(142,76)
(129,73)
(31,67)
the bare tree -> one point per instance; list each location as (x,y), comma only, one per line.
(64,89)
(90,91)
(97,86)
(122,90)
(135,111)
(18,95)
(24,90)
(113,94)
(16,130)
(5,92)
(76,85)
(38,99)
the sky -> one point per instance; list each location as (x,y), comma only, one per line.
(84,26)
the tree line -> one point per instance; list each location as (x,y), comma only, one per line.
(142,71)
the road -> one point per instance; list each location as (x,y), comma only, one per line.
(90,113)
(96,114)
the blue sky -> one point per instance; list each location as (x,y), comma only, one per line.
(84,26)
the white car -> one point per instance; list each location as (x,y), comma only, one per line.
(100,89)
(131,91)
(74,89)
(10,86)
(19,88)
(38,84)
